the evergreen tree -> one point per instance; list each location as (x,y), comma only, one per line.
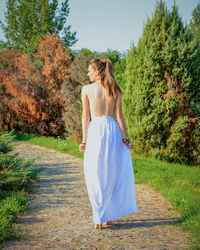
(28,20)
(162,95)
(195,22)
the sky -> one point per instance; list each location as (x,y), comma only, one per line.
(112,24)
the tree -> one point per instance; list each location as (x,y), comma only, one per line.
(31,92)
(113,55)
(162,95)
(195,22)
(28,20)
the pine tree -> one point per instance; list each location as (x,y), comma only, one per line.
(28,20)
(162,95)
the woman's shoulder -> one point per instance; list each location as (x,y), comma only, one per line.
(85,87)
(88,86)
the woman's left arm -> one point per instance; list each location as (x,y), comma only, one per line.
(85,112)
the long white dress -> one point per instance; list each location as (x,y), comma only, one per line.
(108,171)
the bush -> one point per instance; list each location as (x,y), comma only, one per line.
(30,88)
(16,178)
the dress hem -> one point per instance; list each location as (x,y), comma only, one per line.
(115,217)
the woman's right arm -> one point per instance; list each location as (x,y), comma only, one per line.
(85,113)
(119,115)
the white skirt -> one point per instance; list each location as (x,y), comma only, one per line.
(108,171)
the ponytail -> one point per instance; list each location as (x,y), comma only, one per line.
(108,81)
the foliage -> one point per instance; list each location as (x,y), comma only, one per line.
(15,173)
(195,22)
(113,55)
(30,89)
(5,140)
(28,20)
(163,91)
(11,206)
(16,176)
(120,73)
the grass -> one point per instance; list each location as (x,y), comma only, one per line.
(180,184)
(51,142)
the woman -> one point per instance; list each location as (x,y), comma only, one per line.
(108,166)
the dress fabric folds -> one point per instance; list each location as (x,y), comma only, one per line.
(108,171)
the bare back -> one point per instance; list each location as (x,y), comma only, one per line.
(100,103)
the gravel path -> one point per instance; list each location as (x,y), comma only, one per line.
(60,215)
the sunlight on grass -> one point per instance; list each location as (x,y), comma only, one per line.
(62,145)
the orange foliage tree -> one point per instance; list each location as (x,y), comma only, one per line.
(31,90)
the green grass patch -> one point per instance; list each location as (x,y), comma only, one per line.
(61,145)
(180,184)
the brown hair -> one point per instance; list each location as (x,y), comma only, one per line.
(105,69)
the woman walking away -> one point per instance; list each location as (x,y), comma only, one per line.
(108,165)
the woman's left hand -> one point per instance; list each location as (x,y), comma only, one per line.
(82,146)
(130,145)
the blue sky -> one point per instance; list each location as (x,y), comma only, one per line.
(114,24)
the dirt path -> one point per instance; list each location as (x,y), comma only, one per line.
(60,216)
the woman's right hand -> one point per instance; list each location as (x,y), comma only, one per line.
(82,146)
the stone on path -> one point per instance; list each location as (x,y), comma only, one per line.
(60,215)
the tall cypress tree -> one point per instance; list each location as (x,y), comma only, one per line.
(162,94)
(28,20)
